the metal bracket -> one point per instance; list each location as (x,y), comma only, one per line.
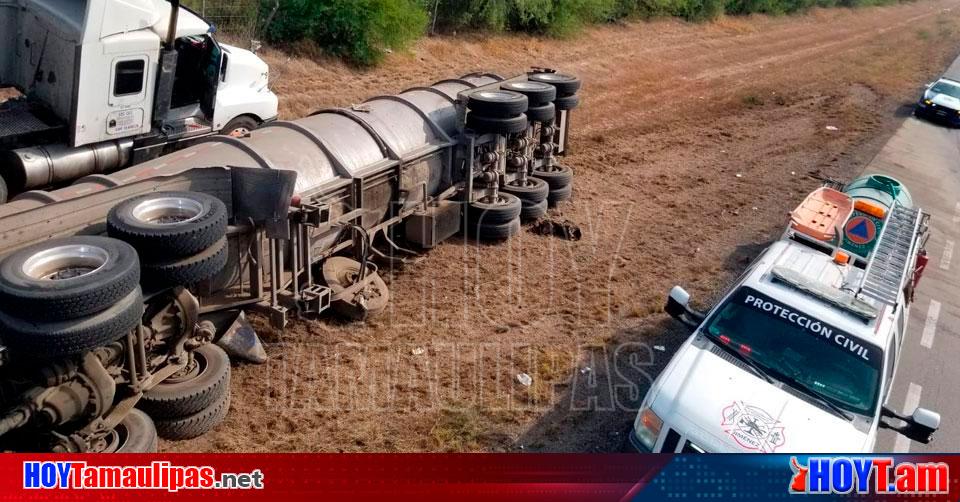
(314,299)
(313,215)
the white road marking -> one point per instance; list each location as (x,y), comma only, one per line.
(956,214)
(902,445)
(947,255)
(930,326)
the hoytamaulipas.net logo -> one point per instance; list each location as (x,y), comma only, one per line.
(879,475)
(68,475)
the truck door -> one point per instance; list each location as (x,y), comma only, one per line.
(198,73)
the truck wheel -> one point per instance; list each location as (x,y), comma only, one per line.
(197,424)
(340,273)
(556,177)
(197,387)
(63,338)
(537,93)
(567,102)
(558,195)
(67,278)
(136,433)
(533,210)
(497,104)
(504,209)
(567,85)
(494,231)
(186,271)
(543,113)
(169,224)
(533,190)
(497,125)
(240,126)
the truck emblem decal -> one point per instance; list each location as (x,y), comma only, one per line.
(752,428)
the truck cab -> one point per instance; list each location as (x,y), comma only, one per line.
(799,355)
(107,83)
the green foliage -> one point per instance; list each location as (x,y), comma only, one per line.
(358,30)
(362,30)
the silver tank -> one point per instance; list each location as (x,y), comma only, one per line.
(328,150)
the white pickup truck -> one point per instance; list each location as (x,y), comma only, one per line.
(800,354)
(109,83)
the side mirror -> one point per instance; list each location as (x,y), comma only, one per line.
(678,306)
(919,426)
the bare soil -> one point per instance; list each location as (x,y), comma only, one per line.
(692,143)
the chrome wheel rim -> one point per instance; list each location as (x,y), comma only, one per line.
(167,211)
(65,262)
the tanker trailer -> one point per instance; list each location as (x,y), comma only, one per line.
(112,289)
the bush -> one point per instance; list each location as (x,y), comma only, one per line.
(358,30)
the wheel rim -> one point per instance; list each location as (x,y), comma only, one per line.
(65,262)
(530,86)
(498,95)
(554,77)
(193,369)
(239,132)
(167,211)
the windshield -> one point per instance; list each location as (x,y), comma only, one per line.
(800,350)
(942,87)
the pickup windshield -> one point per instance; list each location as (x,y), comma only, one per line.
(942,87)
(800,350)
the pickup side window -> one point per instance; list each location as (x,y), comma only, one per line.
(128,77)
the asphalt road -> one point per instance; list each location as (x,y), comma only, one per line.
(926,158)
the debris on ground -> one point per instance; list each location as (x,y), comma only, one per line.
(585,370)
(565,230)
(418,351)
(525,379)
(833,128)
(659,348)
(241,341)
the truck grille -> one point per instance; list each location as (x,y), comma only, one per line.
(673,439)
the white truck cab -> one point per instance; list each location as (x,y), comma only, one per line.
(107,83)
(800,354)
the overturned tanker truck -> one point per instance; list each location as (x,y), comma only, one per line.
(113,289)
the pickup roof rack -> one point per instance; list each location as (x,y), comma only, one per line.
(819,221)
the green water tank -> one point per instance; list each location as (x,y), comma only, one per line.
(879,188)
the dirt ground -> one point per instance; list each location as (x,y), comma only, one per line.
(692,144)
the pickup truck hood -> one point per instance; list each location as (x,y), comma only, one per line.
(942,100)
(722,407)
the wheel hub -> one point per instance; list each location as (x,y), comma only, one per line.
(65,262)
(167,210)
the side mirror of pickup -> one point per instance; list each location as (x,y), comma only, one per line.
(919,426)
(678,306)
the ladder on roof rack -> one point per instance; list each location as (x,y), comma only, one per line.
(891,262)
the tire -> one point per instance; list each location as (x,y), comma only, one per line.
(533,210)
(504,126)
(64,338)
(537,93)
(567,102)
(240,126)
(559,195)
(29,291)
(544,113)
(506,209)
(557,177)
(135,221)
(186,271)
(497,103)
(494,231)
(137,434)
(197,424)
(567,85)
(338,272)
(535,190)
(180,398)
